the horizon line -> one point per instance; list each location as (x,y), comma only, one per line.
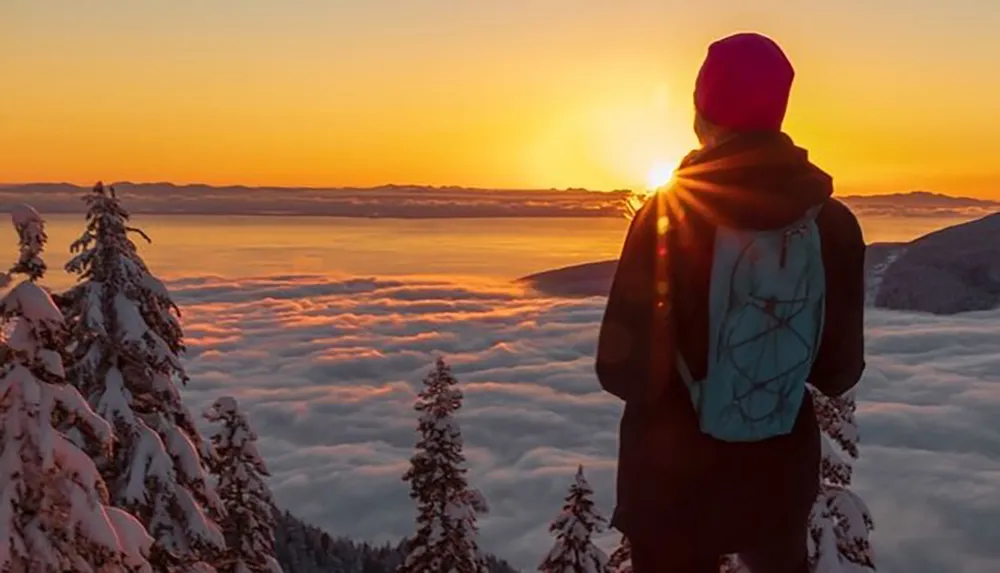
(7,185)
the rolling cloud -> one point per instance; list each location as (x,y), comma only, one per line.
(328,371)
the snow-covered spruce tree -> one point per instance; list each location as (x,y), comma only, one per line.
(54,515)
(31,242)
(125,342)
(621,558)
(840,522)
(445,540)
(574,551)
(250,510)
(732,564)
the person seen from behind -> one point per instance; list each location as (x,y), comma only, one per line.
(739,283)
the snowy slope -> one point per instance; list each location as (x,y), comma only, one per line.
(953,270)
(878,259)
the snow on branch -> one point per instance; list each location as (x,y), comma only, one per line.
(620,560)
(126,343)
(56,516)
(31,236)
(574,551)
(447,507)
(841,523)
(241,473)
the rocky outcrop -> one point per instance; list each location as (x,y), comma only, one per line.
(588,279)
(878,258)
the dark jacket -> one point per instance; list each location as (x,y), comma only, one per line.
(673,480)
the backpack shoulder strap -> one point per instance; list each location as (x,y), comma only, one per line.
(682,369)
(678,214)
(811,214)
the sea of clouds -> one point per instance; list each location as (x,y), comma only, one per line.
(328,370)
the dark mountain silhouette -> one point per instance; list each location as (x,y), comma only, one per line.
(953,270)
(303,548)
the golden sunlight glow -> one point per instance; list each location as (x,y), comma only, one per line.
(659,175)
(261,96)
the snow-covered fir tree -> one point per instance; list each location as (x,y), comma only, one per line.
(445,540)
(125,342)
(840,522)
(250,510)
(620,560)
(31,239)
(732,564)
(574,551)
(54,517)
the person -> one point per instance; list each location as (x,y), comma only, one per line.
(738,283)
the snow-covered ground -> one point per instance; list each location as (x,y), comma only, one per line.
(328,370)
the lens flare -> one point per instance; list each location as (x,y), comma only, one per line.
(659,175)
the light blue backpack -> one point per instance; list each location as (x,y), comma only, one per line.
(766,307)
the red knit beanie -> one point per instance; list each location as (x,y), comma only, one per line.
(744,84)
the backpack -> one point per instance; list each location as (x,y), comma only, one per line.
(766,309)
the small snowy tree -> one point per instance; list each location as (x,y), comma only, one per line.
(250,510)
(54,516)
(574,551)
(31,242)
(445,541)
(621,558)
(840,521)
(125,342)
(732,564)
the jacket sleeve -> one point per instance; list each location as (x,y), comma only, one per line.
(841,359)
(631,348)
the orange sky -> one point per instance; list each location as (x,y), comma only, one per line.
(890,96)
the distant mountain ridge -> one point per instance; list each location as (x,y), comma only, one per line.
(416,201)
(921,198)
(395,201)
(387,186)
(919,204)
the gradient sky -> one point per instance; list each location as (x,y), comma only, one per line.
(891,95)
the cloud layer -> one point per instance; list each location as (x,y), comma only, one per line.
(329,369)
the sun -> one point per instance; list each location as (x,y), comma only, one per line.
(659,175)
